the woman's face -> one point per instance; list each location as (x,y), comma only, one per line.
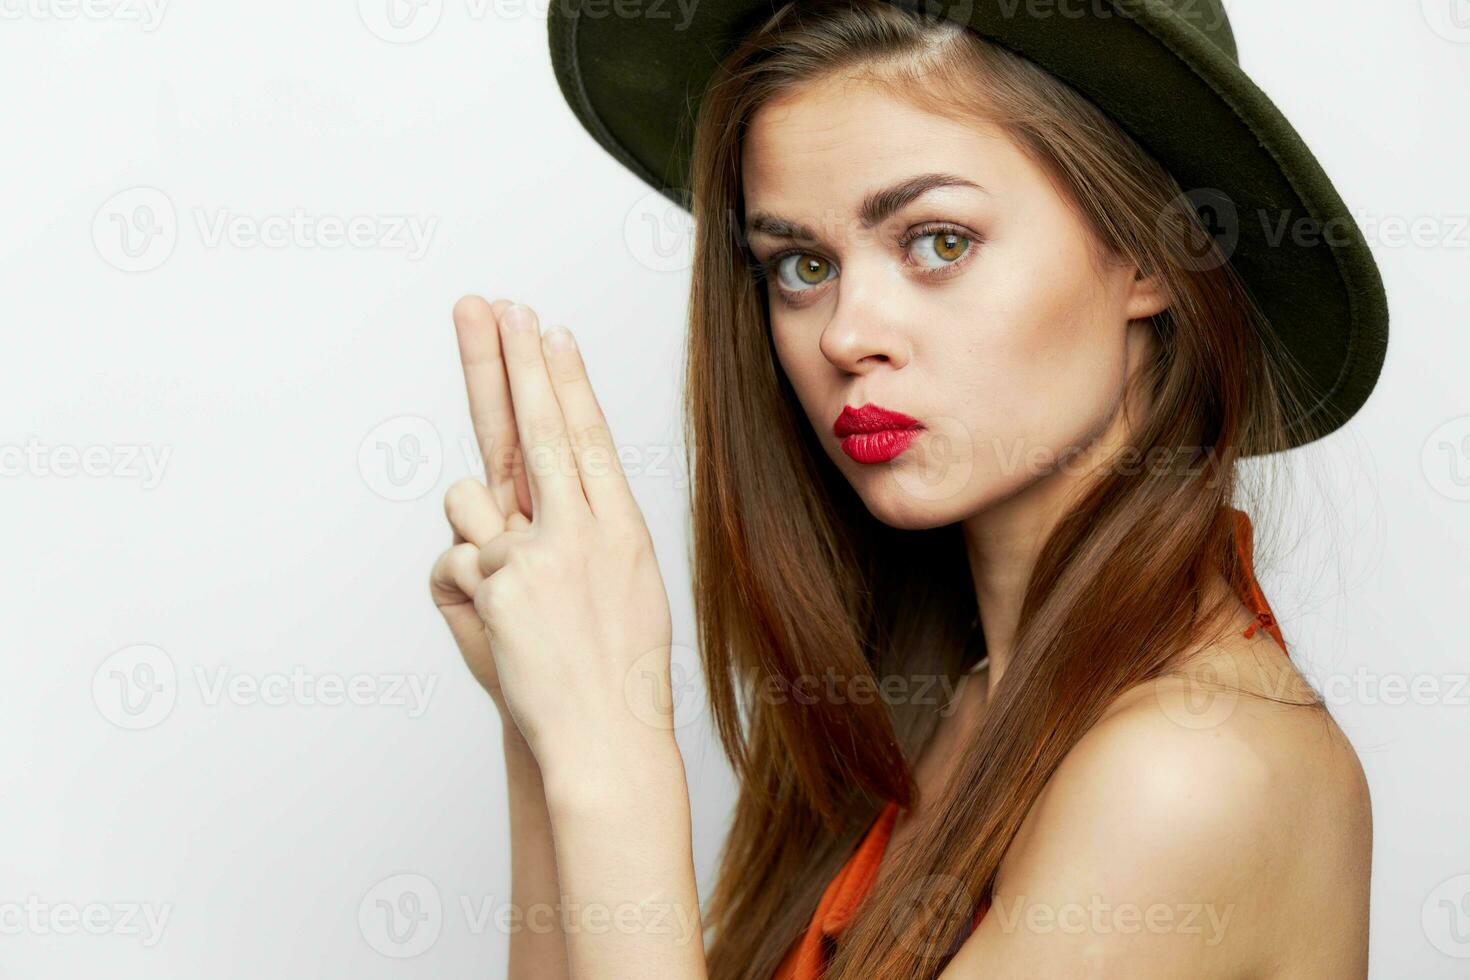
(972,307)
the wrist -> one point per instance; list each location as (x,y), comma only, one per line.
(604,774)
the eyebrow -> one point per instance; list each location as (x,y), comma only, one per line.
(876,207)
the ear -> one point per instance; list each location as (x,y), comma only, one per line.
(1146,296)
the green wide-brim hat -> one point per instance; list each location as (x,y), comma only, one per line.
(1166,70)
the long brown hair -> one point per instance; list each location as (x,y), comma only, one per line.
(795,580)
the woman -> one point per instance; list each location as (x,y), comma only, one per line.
(967,390)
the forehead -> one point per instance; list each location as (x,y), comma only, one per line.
(829,142)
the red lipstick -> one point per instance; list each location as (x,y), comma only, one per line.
(875,435)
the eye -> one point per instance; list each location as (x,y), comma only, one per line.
(946,245)
(800,271)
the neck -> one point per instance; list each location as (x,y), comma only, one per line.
(1004,539)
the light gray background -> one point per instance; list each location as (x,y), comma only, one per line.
(224,458)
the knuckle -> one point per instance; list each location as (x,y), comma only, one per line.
(490,557)
(597,453)
(544,429)
(484,603)
(595,436)
(576,538)
(631,540)
(503,461)
(527,560)
(440,578)
(493,596)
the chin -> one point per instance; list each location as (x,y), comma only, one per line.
(912,497)
(928,484)
(897,498)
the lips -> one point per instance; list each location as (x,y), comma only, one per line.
(872,434)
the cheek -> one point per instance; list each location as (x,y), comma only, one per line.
(800,359)
(789,355)
(1044,357)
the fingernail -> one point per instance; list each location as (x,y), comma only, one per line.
(517,316)
(559,338)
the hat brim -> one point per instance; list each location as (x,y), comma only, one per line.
(634,83)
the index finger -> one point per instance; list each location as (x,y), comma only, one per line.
(476,325)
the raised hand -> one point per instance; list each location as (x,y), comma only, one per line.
(571,601)
(479,511)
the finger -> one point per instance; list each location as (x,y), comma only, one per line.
(472,511)
(491,411)
(603,481)
(455,575)
(545,445)
(515,522)
(492,556)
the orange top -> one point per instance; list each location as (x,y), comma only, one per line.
(807,959)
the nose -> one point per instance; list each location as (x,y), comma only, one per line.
(864,331)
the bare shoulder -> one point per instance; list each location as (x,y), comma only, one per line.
(1197,829)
